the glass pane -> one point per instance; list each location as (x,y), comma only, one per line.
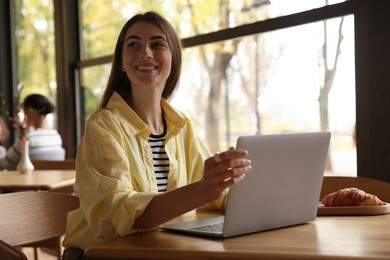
(102,20)
(286,7)
(270,83)
(35,48)
(93,84)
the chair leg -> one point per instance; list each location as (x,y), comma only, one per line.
(59,247)
(35,253)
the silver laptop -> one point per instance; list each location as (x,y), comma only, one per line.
(282,190)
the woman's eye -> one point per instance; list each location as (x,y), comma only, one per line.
(132,44)
(158,45)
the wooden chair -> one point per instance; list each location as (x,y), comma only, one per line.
(8,252)
(381,189)
(35,219)
(68,164)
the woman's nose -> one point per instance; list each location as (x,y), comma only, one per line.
(146,52)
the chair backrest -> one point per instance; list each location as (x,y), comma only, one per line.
(8,252)
(28,217)
(68,164)
(381,189)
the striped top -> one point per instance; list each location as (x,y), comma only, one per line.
(160,160)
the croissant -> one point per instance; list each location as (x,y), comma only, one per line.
(351,197)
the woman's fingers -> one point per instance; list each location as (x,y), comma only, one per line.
(224,170)
(232,167)
(229,154)
(226,156)
(237,173)
(226,165)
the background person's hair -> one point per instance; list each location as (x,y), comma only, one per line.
(39,103)
(118,80)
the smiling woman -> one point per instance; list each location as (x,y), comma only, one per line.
(140,156)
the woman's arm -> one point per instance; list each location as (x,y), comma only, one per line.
(216,178)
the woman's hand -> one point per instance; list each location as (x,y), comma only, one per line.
(224,170)
(220,172)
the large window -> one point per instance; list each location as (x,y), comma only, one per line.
(268,82)
(280,39)
(63,49)
(272,84)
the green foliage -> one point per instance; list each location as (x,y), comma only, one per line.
(35,45)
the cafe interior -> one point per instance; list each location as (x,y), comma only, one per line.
(258,67)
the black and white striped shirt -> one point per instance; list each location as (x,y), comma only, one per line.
(160,160)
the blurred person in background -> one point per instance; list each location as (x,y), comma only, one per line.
(45,143)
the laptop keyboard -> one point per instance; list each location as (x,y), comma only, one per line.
(214,228)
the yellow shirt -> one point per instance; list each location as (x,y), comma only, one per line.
(115,177)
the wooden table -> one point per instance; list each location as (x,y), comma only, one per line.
(328,237)
(45,180)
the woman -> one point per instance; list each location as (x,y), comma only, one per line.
(45,143)
(118,177)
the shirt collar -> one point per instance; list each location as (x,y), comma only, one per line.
(134,125)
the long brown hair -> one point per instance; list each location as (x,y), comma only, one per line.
(118,80)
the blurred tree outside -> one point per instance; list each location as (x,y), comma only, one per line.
(35,47)
(329,73)
(216,60)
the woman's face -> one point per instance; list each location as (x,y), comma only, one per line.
(146,56)
(31,114)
